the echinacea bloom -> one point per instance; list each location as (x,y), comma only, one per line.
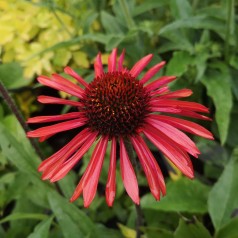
(118,107)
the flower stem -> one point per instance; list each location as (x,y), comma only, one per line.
(13,107)
(139,220)
(139,213)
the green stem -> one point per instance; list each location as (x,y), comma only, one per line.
(230,16)
(139,213)
(13,107)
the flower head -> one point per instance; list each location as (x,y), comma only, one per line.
(117,107)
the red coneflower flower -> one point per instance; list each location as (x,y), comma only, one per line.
(118,107)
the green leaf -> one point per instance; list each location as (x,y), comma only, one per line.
(196,22)
(11,74)
(67,184)
(127,232)
(222,199)
(105,232)
(183,195)
(100,38)
(20,216)
(72,221)
(191,230)
(42,229)
(148,5)
(110,23)
(219,89)
(24,159)
(180,9)
(155,233)
(229,230)
(178,65)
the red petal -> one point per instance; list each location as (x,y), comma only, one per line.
(112,61)
(67,150)
(111,180)
(54,100)
(61,80)
(128,174)
(171,150)
(59,86)
(178,94)
(152,71)
(65,167)
(98,66)
(176,135)
(164,109)
(148,169)
(154,164)
(187,113)
(59,127)
(193,106)
(160,82)
(55,163)
(140,65)
(41,119)
(43,138)
(97,158)
(72,73)
(90,188)
(120,61)
(160,91)
(185,125)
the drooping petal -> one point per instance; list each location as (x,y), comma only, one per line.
(111,179)
(154,164)
(98,68)
(59,127)
(185,125)
(54,100)
(178,94)
(64,168)
(95,161)
(140,65)
(54,166)
(148,168)
(152,71)
(66,150)
(160,82)
(112,61)
(59,86)
(179,157)
(72,73)
(120,61)
(176,135)
(128,174)
(89,191)
(43,119)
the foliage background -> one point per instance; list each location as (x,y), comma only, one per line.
(198,39)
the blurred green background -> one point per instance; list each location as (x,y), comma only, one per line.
(197,38)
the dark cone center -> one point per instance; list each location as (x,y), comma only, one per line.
(116,104)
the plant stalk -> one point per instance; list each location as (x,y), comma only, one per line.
(13,107)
